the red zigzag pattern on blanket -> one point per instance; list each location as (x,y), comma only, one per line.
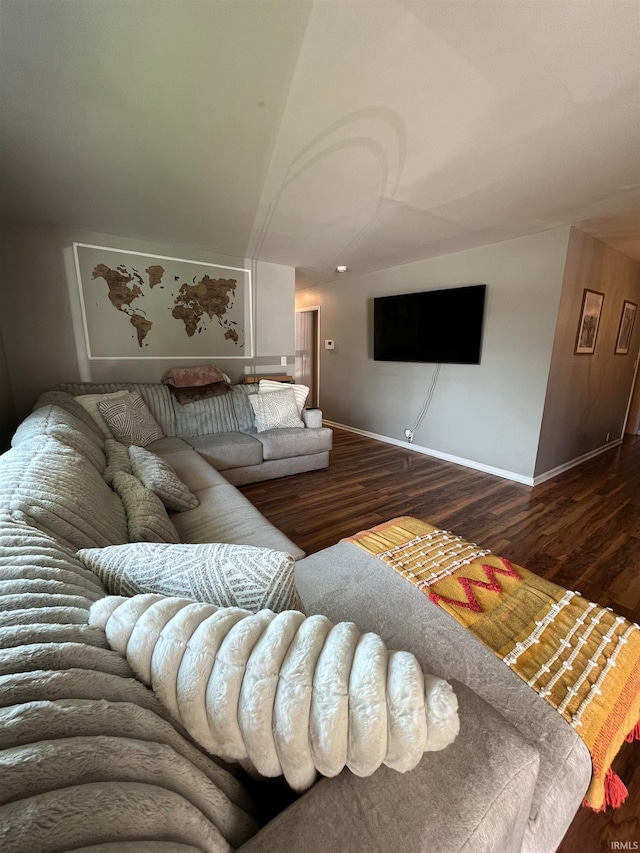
(472,602)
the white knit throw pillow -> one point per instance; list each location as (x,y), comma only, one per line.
(276,410)
(301,392)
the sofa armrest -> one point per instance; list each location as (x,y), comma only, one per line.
(474,796)
(312,418)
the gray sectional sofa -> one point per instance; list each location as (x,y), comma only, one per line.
(91,761)
(222,429)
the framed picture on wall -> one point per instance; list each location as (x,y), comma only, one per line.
(136,305)
(590,315)
(627,319)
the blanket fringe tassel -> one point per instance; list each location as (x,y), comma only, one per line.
(615,792)
(634,734)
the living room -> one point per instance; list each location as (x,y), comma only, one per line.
(421,145)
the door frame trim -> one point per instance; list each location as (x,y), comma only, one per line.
(317,309)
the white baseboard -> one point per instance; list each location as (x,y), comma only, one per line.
(566,466)
(437,454)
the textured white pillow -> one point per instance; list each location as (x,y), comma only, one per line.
(276,410)
(157,475)
(301,392)
(130,420)
(225,575)
(89,402)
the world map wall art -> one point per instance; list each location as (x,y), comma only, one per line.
(136,305)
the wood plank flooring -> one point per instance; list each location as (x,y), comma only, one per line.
(581,530)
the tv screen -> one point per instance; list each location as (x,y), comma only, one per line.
(440,326)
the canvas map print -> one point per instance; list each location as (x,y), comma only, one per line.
(149,306)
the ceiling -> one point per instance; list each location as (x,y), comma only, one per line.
(314,133)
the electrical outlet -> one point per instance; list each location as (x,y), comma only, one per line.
(408,434)
(283,361)
(329,344)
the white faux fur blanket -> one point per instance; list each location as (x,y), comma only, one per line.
(287,694)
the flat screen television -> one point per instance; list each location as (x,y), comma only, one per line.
(439,326)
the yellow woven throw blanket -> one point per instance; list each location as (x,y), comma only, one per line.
(582,658)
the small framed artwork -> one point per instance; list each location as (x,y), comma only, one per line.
(590,315)
(627,319)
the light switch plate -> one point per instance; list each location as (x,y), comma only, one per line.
(329,344)
(283,361)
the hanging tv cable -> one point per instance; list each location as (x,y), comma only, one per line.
(425,406)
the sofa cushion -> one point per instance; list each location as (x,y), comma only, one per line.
(473,797)
(59,491)
(228,449)
(48,417)
(206,417)
(192,469)
(67,402)
(225,515)
(244,413)
(156,473)
(56,422)
(34,557)
(88,756)
(147,519)
(276,410)
(213,573)
(331,583)
(282,443)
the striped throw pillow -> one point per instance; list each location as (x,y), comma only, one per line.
(216,573)
(130,420)
(300,392)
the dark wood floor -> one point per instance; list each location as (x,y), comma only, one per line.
(581,530)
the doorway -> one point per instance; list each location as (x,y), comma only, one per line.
(307,367)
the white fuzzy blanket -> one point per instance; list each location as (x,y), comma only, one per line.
(287,694)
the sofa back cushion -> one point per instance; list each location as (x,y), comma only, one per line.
(69,404)
(80,737)
(61,493)
(157,397)
(244,412)
(67,427)
(203,417)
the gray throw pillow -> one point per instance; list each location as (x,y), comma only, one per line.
(157,475)
(216,573)
(147,519)
(130,420)
(276,410)
(117,460)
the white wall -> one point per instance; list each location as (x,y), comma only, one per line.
(489,413)
(41,319)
